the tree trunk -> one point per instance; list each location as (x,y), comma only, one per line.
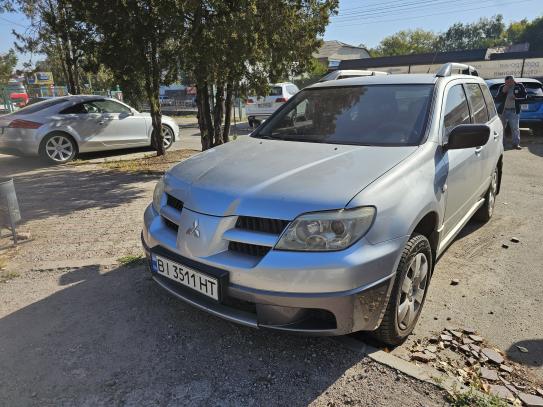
(204,133)
(208,122)
(218,110)
(227,112)
(152,82)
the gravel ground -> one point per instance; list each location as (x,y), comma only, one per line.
(77,329)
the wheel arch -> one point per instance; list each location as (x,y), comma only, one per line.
(500,170)
(428,226)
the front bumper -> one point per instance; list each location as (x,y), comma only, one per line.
(336,313)
(313,293)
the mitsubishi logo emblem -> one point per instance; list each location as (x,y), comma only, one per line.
(194,230)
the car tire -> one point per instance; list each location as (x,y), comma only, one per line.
(251,123)
(58,148)
(486,211)
(408,293)
(168,136)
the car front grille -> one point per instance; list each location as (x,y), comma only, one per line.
(248,249)
(171,225)
(174,202)
(273,226)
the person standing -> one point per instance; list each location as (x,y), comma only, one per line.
(510,94)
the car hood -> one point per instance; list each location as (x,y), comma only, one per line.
(278,179)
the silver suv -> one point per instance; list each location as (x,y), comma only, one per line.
(330,217)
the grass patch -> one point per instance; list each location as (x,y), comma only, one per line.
(150,164)
(5,275)
(131,260)
(471,398)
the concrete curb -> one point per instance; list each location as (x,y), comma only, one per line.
(420,372)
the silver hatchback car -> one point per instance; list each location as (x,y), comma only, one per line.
(330,217)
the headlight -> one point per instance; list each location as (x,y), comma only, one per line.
(157,195)
(327,231)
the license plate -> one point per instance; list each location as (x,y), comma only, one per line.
(191,278)
(524,107)
(264,105)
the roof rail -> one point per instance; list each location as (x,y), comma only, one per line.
(448,68)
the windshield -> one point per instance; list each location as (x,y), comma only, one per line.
(36,107)
(380,115)
(533,89)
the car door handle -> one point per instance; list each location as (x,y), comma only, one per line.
(495,135)
(478,150)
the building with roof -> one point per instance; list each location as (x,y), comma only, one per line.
(331,53)
(490,63)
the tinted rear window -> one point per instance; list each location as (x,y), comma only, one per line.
(533,89)
(40,106)
(275,91)
(361,115)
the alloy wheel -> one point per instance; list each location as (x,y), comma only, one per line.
(412,291)
(167,136)
(59,148)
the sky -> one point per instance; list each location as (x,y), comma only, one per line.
(369,21)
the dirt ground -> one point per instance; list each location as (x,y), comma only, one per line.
(79,329)
(500,293)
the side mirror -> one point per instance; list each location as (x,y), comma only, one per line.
(468,136)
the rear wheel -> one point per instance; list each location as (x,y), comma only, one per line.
(486,211)
(58,148)
(167,136)
(409,292)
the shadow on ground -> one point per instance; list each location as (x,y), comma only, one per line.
(112,337)
(532,355)
(60,190)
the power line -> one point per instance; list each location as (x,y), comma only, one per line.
(410,9)
(431,15)
(394,5)
(12,22)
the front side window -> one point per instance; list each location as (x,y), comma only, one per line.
(382,115)
(477,102)
(106,106)
(456,109)
(490,105)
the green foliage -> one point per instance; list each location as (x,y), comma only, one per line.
(7,65)
(316,71)
(472,398)
(533,33)
(407,42)
(487,32)
(131,260)
(241,47)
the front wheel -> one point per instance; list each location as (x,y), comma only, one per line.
(486,211)
(409,292)
(58,148)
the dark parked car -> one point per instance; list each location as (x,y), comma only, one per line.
(531,113)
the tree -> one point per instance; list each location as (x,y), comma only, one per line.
(533,33)
(516,30)
(484,33)
(7,64)
(241,46)
(316,71)
(137,40)
(57,34)
(406,42)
